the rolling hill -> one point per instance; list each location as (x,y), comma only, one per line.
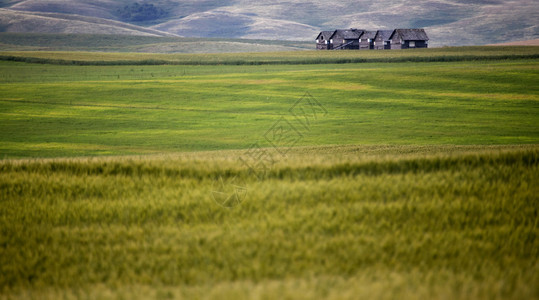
(45,22)
(448,22)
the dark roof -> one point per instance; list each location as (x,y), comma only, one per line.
(368,35)
(411,34)
(325,34)
(384,34)
(348,34)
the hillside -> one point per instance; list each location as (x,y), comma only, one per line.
(40,22)
(448,22)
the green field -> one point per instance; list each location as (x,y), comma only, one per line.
(56,110)
(449,54)
(412,175)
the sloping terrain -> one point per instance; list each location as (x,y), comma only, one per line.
(237,25)
(15,21)
(448,22)
(100,8)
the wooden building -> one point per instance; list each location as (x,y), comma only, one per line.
(322,40)
(366,40)
(359,39)
(381,41)
(346,39)
(408,38)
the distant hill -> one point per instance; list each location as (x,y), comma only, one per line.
(228,24)
(448,22)
(40,22)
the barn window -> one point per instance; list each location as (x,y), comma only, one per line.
(412,44)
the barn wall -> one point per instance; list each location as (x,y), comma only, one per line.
(421,44)
(395,41)
(396,44)
(337,40)
(379,43)
(418,44)
(321,46)
(354,45)
(365,45)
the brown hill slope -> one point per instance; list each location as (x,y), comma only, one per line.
(19,21)
(237,25)
(448,22)
(95,8)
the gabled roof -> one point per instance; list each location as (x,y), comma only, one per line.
(411,34)
(325,34)
(368,35)
(348,34)
(384,34)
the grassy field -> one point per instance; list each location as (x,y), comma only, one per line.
(341,222)
(386,180)
(448,54)
(56,110)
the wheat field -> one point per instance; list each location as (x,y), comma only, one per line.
(380,180)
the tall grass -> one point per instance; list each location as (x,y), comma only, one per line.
(330,222)
(154,62)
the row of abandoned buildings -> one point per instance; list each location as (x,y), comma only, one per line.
(358,39)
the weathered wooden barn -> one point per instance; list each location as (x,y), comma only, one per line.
(359,39)
(323,40)
(381,41)
(408,38)
(366,40)
(346,39)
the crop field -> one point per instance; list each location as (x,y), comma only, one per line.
(270,175)
(57,110)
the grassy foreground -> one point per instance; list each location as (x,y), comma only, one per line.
(333,222)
